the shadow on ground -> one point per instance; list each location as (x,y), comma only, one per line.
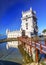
(8,63)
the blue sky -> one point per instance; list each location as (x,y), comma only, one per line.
(10,13)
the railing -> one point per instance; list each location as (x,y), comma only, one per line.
(38,45)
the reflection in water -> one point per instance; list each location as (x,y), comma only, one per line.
(11,54)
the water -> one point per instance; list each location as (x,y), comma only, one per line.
(3,36)
(11,54)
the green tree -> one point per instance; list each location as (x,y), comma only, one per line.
(44,31)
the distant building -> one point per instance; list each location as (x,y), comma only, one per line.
(29,25)
(44,34)
(13,34)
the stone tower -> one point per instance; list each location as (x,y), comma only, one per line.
(29,22)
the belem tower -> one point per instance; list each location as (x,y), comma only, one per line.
(28,24)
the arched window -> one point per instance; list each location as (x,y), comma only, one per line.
(26,25)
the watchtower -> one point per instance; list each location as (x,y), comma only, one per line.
(29,22)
